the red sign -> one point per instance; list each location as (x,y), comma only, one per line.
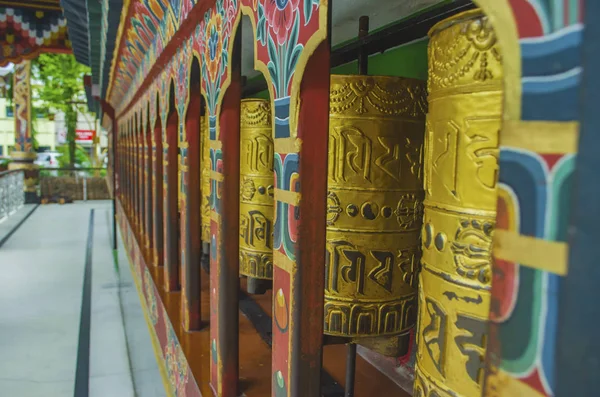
(85,136)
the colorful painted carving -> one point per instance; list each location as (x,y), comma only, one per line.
(374,208)
(205,179)
(465,171)
(28,32)
(461,174)
(256,191)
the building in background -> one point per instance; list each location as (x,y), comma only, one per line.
(44,127)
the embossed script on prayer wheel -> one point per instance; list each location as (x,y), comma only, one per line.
(205,179)
(256,190)
(461,172)
(374,208)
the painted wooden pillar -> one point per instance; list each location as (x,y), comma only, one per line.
(148,167)
(122,162)
(191,227)
(136,171)
(127,186)
(125,167)
(300,92)
(188,110)
(170,212)
(541,53)
(129,174)
(223,104)
(157,181)
(139,177)
(143,174)
(132,165)
(122,176)
(23,154)
(299,237)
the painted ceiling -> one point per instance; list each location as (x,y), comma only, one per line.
(26,31)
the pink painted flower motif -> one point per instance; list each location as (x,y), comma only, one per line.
(230,15)
(280,17)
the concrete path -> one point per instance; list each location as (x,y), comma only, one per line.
(42,267)
(7,225)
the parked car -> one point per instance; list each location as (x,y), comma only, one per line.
(48,159)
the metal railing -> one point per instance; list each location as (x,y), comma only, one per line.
(12,196)
(73,184)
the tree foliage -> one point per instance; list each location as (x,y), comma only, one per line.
(61,89)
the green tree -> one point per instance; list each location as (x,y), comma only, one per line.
(61,89)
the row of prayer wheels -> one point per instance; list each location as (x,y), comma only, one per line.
(412,176)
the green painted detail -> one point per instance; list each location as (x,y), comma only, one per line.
(279,385)
(561,198)
(214,350)
(409,60)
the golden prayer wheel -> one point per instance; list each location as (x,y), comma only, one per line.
(205,179)
(374,209)
(256,193)
(461,173)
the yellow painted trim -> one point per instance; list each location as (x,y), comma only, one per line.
(217,176)
(544,137)
(282,261)
(288,145)
(500,14)
(162,368)
(288,197)
(549,256)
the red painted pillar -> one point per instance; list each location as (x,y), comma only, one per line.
(299,287)
(191,227)
(157,202)
(130,191)
(148,168)
(170,237)
(141,178)
(224,266)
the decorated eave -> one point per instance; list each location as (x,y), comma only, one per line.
(28,28)
(92,25)
(150,32)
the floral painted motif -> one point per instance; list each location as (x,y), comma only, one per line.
(280,16)
(150,297)
(214,47)
(213,34)
(177,366)
(278,28)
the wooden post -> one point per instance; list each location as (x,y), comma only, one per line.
(171,233)
(190,239)
(224,272)
(157,182)
(148,167)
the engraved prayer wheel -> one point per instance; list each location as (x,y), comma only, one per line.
(205,179)
(374,209)
(256,193)
(461,173)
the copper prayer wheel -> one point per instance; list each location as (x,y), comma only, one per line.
(256,193)
(205,179)
(461,174)
(374,209)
